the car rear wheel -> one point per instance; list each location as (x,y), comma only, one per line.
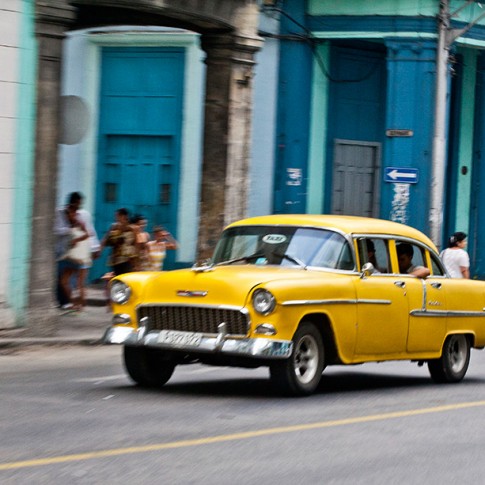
(300,374)
(454,360)
(147,366)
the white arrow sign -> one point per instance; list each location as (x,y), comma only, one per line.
(403,175)
(394,174)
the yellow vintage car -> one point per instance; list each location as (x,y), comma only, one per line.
(297,293)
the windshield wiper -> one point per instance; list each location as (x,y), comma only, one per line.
(242,258)
(297,261)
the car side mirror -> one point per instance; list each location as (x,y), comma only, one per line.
(367,270)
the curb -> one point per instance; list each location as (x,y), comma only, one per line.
(85,330)
(49,342)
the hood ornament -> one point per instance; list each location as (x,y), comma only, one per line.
(202,267)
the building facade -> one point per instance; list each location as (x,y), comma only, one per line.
(200,115)
(357,112)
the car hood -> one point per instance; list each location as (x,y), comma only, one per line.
(221,285)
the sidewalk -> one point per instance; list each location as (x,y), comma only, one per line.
(75,328)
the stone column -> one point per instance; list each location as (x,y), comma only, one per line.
(227,136)
(52,19)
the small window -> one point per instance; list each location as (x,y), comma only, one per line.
(110,192)
(165,193)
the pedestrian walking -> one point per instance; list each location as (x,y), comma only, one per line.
(455,258)
(139,224)
(77,253)
(157,248)
(121,238)
(63,232)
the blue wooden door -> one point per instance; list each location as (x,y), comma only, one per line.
(139,138)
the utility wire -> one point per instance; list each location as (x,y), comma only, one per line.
(313,42)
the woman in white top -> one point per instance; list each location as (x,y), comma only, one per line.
(455,258)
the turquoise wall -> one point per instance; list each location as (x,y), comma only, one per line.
(24,160)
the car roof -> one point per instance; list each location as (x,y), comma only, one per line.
(346,224)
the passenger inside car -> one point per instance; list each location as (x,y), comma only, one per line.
(405,253)
(375,251)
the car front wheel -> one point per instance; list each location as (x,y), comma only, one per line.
(300,374)
(454,360)
(147,367)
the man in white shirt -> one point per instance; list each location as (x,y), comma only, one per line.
(62,231)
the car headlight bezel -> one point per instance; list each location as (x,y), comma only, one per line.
(263,301)
(119,292)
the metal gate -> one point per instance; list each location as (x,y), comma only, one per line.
(356,178)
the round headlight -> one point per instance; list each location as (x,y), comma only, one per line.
(119,292)
(263,301)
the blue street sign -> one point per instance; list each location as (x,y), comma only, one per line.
(400,175)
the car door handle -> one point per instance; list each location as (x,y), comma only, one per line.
(401,284)
(436,285)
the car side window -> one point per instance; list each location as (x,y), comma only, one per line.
(375,251)
(436,266)
(410,256)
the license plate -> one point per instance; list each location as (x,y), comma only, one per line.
(180,339)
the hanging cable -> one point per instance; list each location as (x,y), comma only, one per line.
(313,42)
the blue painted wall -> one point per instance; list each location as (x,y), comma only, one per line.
(409,106)
(357,86)
(373,85)
(294,94)
(476,239)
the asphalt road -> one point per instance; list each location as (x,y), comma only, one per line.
(71,416)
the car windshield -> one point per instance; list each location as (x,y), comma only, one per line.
(284,246)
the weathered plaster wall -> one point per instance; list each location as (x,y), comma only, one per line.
(17,74)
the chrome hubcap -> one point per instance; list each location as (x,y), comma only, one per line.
(457,352)
(306,359)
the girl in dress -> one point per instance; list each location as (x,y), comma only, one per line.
(156,249)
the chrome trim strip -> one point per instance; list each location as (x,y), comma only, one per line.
(425,295)
(374,302)
(446,313)
(192,293)
(318,302)
(336,302)
(247,347)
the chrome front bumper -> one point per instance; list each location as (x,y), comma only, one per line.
(254,348)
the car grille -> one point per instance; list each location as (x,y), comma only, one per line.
(194,319)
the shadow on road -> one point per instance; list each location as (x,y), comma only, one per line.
(331,384)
